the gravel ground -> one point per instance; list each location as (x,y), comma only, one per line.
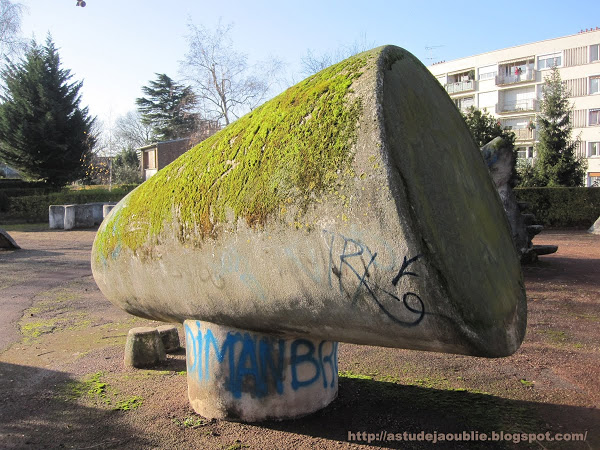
(63,383)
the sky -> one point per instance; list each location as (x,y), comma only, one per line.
(117,46)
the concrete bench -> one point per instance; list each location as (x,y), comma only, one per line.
(68,217)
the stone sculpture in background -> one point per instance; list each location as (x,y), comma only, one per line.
(353,207)
(595,228)
(7,242)
(500,160)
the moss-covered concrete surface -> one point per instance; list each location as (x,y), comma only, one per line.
(353,207)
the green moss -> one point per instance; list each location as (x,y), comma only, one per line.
(280,157)
(128,404)
(32,330)
(92,386)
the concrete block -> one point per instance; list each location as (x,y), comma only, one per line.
(170,338)
(107,208)
(56,216)
(246,376)
(144,348)
(97,211)
(78,216)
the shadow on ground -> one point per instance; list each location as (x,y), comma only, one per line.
(57,415)
(377,406)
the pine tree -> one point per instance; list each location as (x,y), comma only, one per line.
(556,164)
(167,107)
(43,131)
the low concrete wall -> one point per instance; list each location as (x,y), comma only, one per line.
(107,208)
(77,216)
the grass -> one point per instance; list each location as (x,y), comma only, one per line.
(190,422)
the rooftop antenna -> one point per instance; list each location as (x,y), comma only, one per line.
(429,49)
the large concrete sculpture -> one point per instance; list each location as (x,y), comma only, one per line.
(353,207)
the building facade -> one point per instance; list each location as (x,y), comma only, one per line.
(508,84)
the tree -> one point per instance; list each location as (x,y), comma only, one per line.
(130,131)
(313,63)
(43,131)
(167,108)
(126,167)
(224,82)
(10,28)
(484,128)
(556,163)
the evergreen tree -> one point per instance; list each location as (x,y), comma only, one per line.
(167,108)
(43,131)
(556,163)
(126,167)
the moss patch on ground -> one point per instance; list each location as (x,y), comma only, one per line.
(282,155)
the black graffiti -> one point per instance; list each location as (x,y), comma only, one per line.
(360,250)
(402,272)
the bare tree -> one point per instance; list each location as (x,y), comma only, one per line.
(225,83)
(313,63)
(131,132)
(10,28)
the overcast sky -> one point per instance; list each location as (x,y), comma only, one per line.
(116,46)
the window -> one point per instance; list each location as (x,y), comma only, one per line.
(525,153)
(594,52)
(593,179)
(488,72)
(593,149)
(464,103)
(549,61)
(594,117)
(594,85)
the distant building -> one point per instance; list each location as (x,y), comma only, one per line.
(508,84)
(155,156)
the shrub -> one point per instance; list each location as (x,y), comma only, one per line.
(562,207)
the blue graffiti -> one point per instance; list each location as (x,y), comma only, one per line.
(257,364)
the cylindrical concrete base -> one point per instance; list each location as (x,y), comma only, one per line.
(247,376)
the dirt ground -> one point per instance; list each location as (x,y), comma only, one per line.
(63,383)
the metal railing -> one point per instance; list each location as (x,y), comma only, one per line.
(519,106)
(524,77)
(460,86)
(524,134)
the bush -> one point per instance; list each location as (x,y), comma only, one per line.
(34,208)
(4,202)
(562,207)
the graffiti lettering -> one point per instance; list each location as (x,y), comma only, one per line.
(256,364)
(354,250)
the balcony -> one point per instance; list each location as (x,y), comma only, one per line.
(460,86)
(524,134)
(525,77)
(529,105)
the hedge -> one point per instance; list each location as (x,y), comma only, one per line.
(34,208)
(562,207)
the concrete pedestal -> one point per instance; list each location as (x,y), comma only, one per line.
(247,376)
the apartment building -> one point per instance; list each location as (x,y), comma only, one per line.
(508,84)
